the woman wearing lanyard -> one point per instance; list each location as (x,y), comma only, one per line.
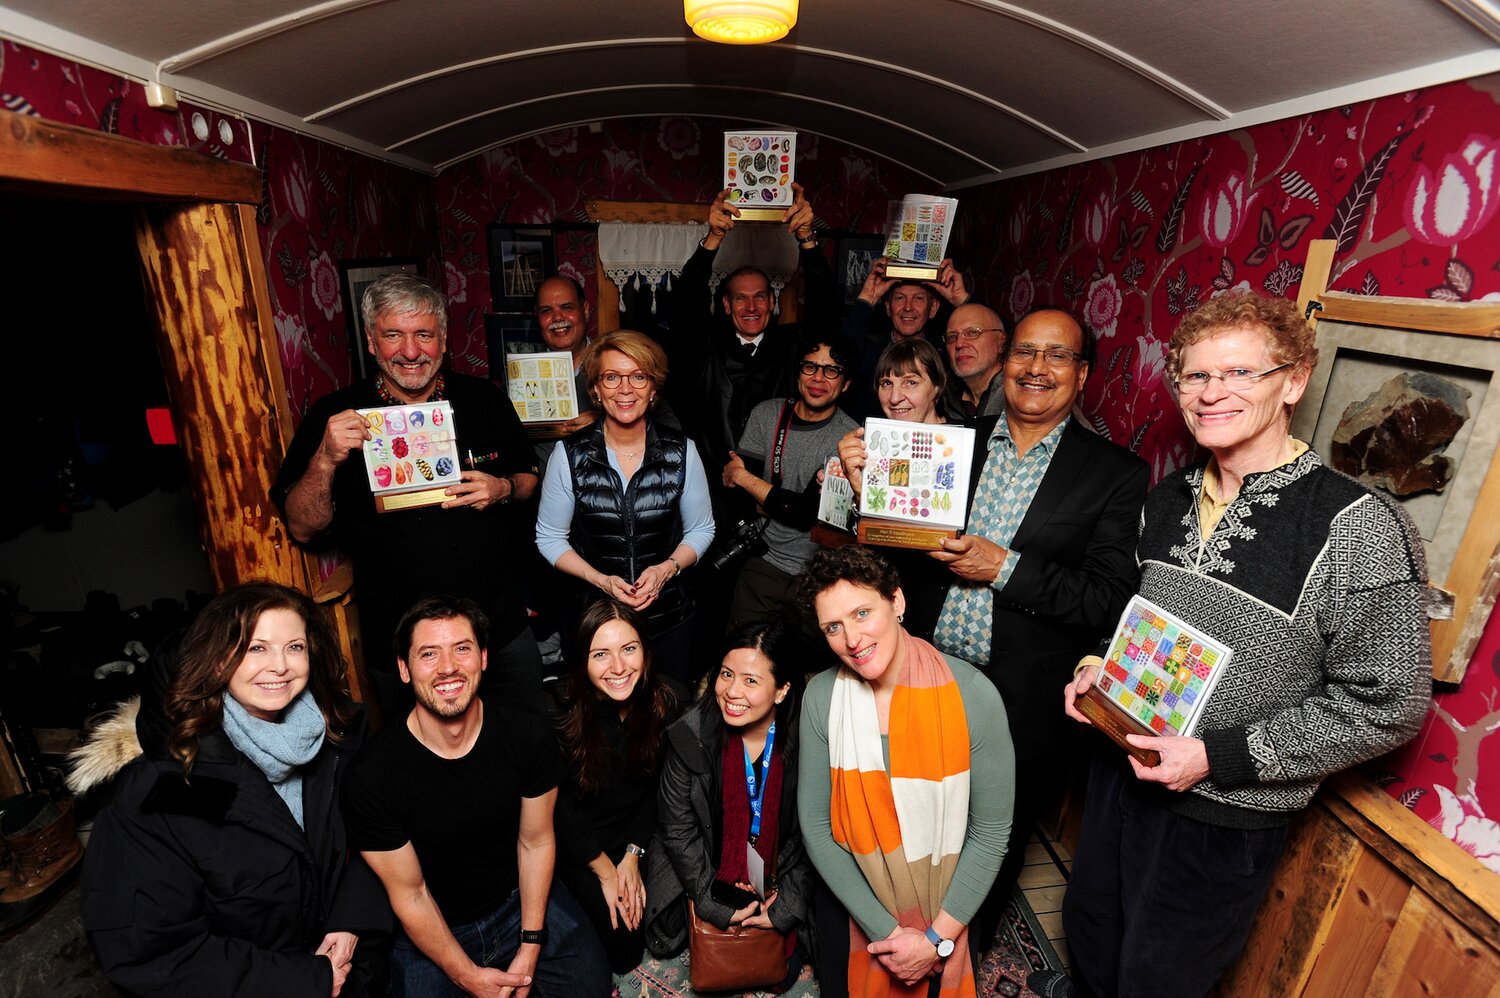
(729,789)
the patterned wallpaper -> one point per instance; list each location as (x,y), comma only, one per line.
(1409,185)
(550,176)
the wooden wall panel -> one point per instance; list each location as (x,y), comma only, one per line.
(217,360)
(1430,953)
(1360,927)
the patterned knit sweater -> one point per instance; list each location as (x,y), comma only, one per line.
(1318,584)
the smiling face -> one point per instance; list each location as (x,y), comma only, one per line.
(864,629)
(444,665)
(911,397)
(625,404)
(560,313)
(616,660)
(1250,423)
(746,690)
(275,667)
(910,306)
(748,302)
(818,392)
(1039,394)
(408,349)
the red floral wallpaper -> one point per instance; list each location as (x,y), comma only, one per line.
(549,177)
(1409,185)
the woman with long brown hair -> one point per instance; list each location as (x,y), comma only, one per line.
(219,863)
(614,709)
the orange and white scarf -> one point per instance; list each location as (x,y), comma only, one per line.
(905,827)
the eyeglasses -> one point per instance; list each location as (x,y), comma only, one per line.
(1054,356)
(1236,379)
(971,333)
(638,380)
(830,371)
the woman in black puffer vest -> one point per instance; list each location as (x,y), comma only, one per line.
(625,507)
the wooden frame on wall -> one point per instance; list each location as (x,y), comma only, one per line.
(521,257)
(1460,337)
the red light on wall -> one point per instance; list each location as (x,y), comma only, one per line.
(159,423)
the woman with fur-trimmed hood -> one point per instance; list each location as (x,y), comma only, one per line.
(219,865)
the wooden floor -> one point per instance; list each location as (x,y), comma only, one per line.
(1043,881)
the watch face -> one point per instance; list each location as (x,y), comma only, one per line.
(945,948)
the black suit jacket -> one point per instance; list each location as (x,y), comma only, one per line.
(1077,570)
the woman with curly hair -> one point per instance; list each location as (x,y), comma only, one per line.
(613,711)
(219,863)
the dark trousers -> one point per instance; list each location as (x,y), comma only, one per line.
(1158,905)
(766,593)
(571,963)
(622,946)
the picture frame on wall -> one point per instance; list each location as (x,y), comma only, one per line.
(856,254)
(1367,349)
(506,333)
(521,257)
(354,277)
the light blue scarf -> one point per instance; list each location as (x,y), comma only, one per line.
(279,749)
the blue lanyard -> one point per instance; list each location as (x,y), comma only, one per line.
(756,798)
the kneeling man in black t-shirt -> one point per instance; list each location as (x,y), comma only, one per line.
(430,805)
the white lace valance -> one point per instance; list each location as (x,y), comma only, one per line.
(630,251)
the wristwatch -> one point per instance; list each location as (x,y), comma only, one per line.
(635,850)
(538,937)
(944,946)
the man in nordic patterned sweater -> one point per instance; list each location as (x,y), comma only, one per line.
(1317,583)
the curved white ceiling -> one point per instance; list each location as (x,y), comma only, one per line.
(960,91)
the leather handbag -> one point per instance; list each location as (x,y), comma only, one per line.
(733,959)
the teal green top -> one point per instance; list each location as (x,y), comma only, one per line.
(992,791)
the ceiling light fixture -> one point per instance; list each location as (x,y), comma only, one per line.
(745,22)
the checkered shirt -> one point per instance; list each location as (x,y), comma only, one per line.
(1007,484)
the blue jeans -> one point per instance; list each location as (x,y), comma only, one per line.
(572,961)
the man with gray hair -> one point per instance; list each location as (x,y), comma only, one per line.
(459,547)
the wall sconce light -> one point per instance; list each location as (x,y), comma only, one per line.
(741,22)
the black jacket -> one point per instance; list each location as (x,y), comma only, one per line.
(685,855)
(1077,571)
(206,886)
(623,531)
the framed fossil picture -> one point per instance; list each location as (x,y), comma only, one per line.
(1406,398)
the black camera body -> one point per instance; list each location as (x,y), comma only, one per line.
(746,539)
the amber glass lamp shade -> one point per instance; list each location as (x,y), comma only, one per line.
(741,22)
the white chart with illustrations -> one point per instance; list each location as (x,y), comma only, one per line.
(917,472)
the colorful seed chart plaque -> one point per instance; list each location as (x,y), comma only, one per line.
(412,455)
(915,489)
(759,168)
(1157,675)
(917,229)
(541,386)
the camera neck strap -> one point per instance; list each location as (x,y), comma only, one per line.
(778,446)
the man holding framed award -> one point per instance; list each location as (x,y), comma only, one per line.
(1047,562)
(1308,587)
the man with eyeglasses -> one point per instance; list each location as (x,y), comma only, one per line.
(727,367)
(402,556)
(912,308)
(1047,561)
(975,341)
(785,444)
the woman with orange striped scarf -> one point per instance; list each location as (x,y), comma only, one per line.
(906,786)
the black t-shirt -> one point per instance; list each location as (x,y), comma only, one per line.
(400,557)
(461,815)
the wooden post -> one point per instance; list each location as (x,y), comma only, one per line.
(217,347)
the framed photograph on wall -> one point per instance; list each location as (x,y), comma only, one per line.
(354,277)
(521,257)
(1406,397)
(855,255)
(507,333)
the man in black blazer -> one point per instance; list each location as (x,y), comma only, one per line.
(1048,560)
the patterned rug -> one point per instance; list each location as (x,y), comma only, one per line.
(1020,948)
